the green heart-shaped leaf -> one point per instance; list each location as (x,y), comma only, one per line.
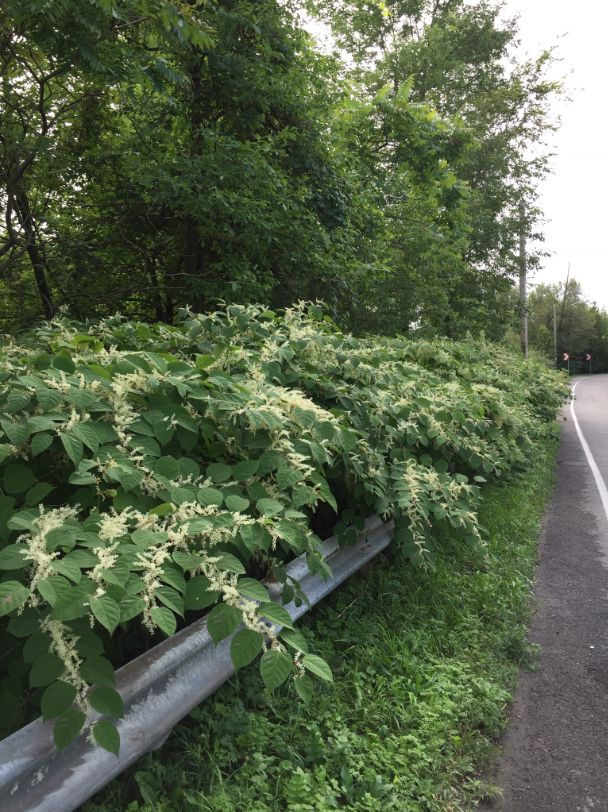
(107,736)
(106,611)
(56,699)
(222,621)
(67,727)
(276,666)
(107,700)
(245,647)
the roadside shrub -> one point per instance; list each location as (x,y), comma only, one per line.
(150,471)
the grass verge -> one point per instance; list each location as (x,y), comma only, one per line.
(423,661)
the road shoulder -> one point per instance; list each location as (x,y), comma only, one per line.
(553,755)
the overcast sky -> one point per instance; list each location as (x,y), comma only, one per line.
(574,197)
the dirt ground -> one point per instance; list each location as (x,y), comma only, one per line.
(554,756)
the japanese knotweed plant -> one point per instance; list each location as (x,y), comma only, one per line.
(148,471)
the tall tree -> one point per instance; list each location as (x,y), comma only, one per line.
(459,56)
(158,154)
(409,157)
(144,166)
(59,61)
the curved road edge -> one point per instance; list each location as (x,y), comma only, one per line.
(553,755)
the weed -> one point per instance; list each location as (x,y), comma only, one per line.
(424,662)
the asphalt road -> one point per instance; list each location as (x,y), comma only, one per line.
(554,755)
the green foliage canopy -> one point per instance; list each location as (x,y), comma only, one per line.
(156,155)
(459,59)
(59,65)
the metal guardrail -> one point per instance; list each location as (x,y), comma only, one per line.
(158,689)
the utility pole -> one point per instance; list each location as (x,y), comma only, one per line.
(555,331)
(523,292)
(561,318)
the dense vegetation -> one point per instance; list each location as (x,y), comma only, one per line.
(157,155)
(146,467)
(581,327)
(423,660)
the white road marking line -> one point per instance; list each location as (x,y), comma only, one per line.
(599,480)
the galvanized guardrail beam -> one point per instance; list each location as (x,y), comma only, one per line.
(158,689)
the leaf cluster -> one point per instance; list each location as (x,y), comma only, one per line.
(148,471)
(425,658)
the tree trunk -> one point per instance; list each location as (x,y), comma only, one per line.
(33,251)
(157,299)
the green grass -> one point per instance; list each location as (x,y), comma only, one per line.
(422,661)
